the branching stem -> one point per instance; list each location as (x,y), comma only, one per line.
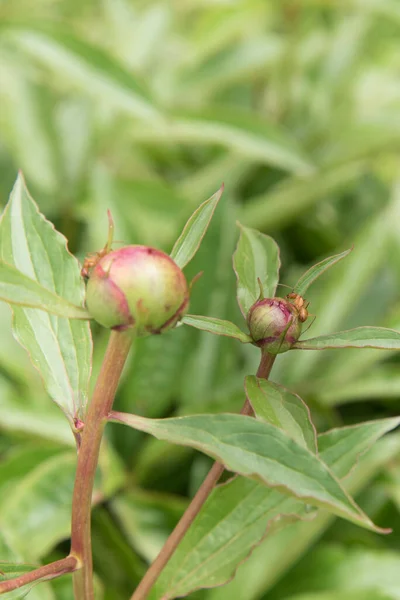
(50,571)
(151,576)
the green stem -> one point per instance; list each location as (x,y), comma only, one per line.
(100,405)
(153,573)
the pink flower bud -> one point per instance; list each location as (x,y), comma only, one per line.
(274,324)
(137,287)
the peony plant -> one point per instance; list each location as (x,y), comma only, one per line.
(271,447)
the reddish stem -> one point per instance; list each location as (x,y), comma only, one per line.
(51,571)
(100,405)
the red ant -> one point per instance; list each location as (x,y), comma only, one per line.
(299,303)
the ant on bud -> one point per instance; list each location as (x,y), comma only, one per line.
(92,259)
(301,305)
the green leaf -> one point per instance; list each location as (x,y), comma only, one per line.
(17,288)
(257,450)
(341,447)
(217,326)
(273,558)
(256,257)
(235,518)
(59,348)
(360,337)
(274,404)
(83,64)
(195,229)
(314,272)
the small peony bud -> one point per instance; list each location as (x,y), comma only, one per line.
(137,287)
(274,324)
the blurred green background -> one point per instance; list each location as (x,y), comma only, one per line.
(145,107)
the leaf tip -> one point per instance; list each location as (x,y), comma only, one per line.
(218,194)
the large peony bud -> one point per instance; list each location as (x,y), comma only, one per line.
(137,287)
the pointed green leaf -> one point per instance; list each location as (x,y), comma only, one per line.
(217,326)
(59,348)
(314,272)
(360,337)
(256,257)
(274,404)
(17,288)
(257,450)
(282,550)
(195,229)
(341,447)
(236,517)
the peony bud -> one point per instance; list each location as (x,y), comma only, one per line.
(274,324)
(137,287)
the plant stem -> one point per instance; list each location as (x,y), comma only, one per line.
(266,364)
(100,405)
(51,571)
(151,576)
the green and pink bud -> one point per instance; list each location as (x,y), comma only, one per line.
(137,287)
(274,324)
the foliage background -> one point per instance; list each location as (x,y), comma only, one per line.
(145,107)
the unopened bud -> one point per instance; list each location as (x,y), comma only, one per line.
(137,287)
(274,324)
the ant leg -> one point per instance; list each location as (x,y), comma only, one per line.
(310,323)
(284,285)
